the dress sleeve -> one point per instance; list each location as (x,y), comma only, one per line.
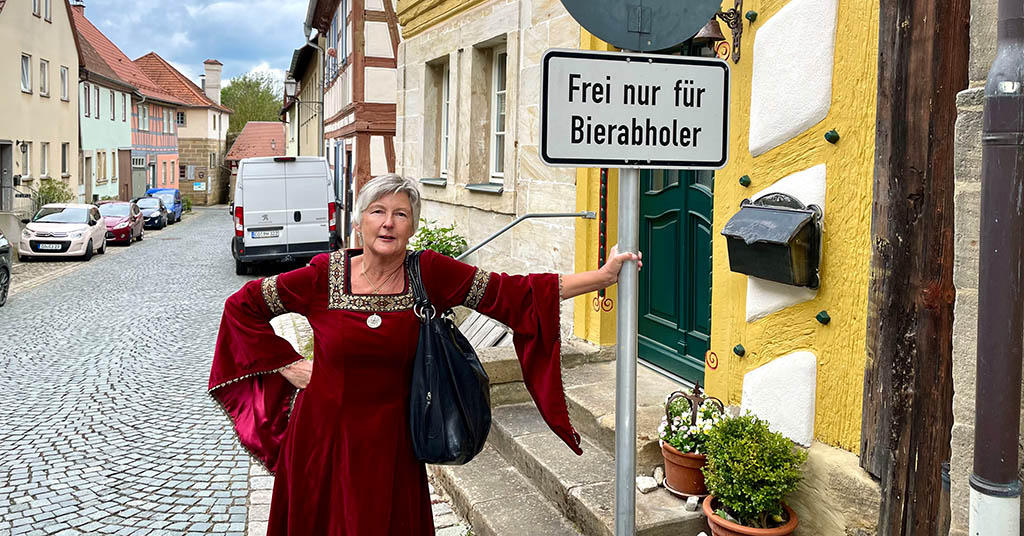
(529,304)
(249,353)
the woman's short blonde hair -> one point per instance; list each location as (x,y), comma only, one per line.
(383,185)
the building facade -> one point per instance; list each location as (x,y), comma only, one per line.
(361,39)
(304,111)
(202,126)
(104,119)
(39,130)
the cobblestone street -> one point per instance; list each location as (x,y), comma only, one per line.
(106,427)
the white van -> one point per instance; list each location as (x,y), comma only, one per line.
(284,209)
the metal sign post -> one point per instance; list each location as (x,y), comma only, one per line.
(632,111)
(626,355)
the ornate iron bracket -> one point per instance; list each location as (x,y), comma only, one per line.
(734,19)
(695,400)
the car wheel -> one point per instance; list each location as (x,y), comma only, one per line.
(241,268)
(88,251)
(103,248)
(5,285)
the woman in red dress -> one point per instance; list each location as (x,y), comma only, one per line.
(338,440)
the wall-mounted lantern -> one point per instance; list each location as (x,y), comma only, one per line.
(776,238)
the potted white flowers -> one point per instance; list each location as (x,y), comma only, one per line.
(684,430)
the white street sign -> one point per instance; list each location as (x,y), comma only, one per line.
(612,109)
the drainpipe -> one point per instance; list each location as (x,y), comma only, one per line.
(995,488)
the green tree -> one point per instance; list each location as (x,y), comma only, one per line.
(254,97)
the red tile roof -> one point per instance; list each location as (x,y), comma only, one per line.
(175,83)
(119,63)
(258,138)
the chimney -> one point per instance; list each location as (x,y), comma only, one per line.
(78,6)
(212,85)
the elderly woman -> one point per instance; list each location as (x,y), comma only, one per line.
(338,440)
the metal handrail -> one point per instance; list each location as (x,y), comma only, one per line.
(587,215)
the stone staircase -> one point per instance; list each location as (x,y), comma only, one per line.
(527,482)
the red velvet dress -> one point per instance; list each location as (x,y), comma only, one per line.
(341,447)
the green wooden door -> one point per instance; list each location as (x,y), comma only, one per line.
(675,283)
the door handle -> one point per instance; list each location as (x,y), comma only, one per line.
(298,216)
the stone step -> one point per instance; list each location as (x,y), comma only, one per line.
(497,500)
(503,369)
(590,396)
(582,487)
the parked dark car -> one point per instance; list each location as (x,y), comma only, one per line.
(123,220)
(5,268)
(154,212)
(172,200)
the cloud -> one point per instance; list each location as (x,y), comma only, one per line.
(246,36)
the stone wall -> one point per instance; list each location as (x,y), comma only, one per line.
(196,152)
(466,44)
(967,202)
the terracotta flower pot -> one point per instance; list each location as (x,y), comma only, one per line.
(723,527)
(683,474)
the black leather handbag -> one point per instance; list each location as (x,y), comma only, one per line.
(450,402)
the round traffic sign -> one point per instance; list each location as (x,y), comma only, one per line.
(643,25)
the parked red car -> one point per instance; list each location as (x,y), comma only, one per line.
(123,220)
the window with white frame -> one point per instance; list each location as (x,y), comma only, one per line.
(101,166)
(46,9)
(87,91)
(113,106)
(180,119)
(44,159)
(64,83)
(124,107)
(163,172)
(26,161)
(138,161)
(445,106)
(96,91)
(65,152)
(498,91)
(44,78)
(143,117)
(26,73)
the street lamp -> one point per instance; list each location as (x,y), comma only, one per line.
(289,87)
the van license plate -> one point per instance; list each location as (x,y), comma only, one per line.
(49,246)
(266,234)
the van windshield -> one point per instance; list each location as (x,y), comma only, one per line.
(168,198)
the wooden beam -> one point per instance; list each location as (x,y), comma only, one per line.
(358,51)
(373,61)
(389,152)
(389,10)
(908,389)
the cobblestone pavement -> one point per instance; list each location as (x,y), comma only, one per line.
(106,427)
(27,275)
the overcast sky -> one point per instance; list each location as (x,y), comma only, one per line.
(251,35)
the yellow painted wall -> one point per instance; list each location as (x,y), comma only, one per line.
(840,346)
(594,319)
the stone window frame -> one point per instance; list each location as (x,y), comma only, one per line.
(497,139)
(65,77)
(44,78)
(445,137)
(26,162)
(65,156)
(44,160)
(26,73)
(434,127)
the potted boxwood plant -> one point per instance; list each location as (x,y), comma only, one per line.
(689,416)
(750,470)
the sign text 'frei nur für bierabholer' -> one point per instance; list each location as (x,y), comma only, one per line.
(604,109)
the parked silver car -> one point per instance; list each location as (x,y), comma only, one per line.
(63,230)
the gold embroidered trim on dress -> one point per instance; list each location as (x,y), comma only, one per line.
(271,297)
(337,298)
(477,289)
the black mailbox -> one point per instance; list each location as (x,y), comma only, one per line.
(776,238)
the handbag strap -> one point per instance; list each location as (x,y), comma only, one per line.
(421,302)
